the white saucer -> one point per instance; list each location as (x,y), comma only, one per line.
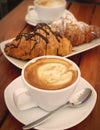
(63,119)
(32,17)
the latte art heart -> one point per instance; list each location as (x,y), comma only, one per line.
(55,73)
(50,74)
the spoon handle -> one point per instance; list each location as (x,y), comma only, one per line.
(43,119)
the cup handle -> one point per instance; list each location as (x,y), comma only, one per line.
(22,99)
(30,7)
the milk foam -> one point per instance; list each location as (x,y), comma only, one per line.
(55,73)
(50,3)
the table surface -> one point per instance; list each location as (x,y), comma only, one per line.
(89,61)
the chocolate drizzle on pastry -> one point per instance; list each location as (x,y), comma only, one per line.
(41,26)
(42,41)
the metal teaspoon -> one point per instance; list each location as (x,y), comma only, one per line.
(76,100)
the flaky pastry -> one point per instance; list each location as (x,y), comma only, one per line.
(77,32)
(42,41)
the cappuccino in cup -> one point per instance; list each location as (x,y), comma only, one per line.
(50,80)
(50,73)
(49,10)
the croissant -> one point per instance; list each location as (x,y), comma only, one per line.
(76,31)
(82,33)
(42,41)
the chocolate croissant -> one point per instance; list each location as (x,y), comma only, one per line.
(42,41)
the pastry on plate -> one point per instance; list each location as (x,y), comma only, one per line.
(42,41)
(77,32)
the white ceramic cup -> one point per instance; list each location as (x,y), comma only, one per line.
(45,99)
(50,13)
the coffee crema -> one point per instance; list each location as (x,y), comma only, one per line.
(50,3)
(50,73)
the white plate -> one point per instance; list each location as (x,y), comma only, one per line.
(76,50)
(63,119)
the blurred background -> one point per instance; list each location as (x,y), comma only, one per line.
(8,5)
